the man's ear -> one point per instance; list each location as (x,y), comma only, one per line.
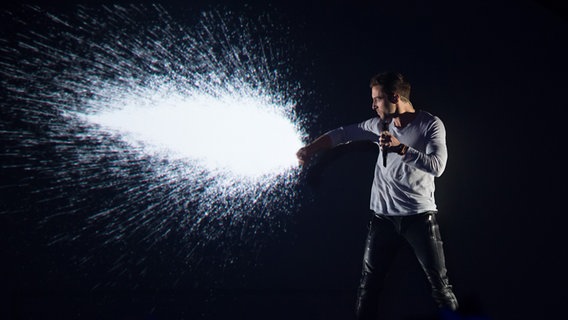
(394,98)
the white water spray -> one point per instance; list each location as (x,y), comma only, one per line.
(123,126)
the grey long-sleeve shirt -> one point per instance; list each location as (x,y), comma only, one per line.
(406,185)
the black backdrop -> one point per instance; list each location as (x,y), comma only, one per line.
(493,71)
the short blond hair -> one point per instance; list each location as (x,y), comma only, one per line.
(391,83)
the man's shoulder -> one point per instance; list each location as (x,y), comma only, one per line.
(428,121)
(373,120)
(425,114)
(369,123)
(427,117)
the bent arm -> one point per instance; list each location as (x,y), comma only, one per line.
(433,160)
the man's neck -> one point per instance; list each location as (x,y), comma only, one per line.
(406,113)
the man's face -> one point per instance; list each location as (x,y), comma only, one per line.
(381,102)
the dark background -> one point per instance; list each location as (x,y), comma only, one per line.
(493,71)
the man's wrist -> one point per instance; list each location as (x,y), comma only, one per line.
(401,149)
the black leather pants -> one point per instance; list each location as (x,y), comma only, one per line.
(385,237)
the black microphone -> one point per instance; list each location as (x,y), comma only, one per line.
(385,127)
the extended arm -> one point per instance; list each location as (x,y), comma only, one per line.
(338,136)
(306,153)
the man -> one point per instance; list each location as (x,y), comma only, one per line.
(413,154)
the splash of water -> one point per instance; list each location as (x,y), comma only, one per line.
(242,135)
(123,126)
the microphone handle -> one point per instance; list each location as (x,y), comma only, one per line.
(384,149)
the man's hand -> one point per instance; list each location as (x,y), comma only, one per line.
(304,155)
(307,153)
(389,142)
